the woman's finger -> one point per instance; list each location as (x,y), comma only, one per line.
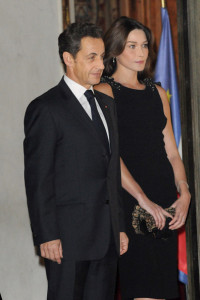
(167,214)
(177,222)
(161,218)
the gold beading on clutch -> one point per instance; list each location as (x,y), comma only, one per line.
(144,223)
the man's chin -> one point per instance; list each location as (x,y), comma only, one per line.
(95,81)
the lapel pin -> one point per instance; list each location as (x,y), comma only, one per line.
(106,106)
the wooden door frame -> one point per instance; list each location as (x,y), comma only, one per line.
(189,87)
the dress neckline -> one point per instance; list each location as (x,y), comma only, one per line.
(129,87)
(148,82)
(118,85)
(132,89)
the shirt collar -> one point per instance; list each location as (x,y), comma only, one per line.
(77,89)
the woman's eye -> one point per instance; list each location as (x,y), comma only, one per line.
(91,57)
(145,45)
(132,46)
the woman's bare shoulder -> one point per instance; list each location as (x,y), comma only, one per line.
(163,95)
(104,88)
(160,89)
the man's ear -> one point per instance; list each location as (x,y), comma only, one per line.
(68,59)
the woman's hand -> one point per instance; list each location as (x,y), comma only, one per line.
(158,213)
(133,188)
(181,206)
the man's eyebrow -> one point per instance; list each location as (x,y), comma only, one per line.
(92,53)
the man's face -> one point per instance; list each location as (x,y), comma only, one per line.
(87,67)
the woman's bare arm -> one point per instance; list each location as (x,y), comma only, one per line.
(182,204)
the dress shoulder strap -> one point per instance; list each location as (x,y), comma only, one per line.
(111,82)
(149,82)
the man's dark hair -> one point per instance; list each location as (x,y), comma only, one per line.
(70,39)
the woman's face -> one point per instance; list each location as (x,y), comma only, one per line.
(135,52)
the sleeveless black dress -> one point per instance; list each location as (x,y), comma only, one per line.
(149,268)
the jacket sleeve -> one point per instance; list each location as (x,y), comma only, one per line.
(121,208)
(39,152)
(120,200)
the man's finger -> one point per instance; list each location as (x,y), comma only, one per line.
(51,254)
(123,248)
(60,250)
(46,251)
(57,256)
(42,251)
(123,243)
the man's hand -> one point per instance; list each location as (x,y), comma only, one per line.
(52,250)
(123,243)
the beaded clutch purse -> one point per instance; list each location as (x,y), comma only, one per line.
(144,223)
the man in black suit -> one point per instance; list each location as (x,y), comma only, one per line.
(72,174)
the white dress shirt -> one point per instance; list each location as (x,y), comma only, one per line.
(78,91)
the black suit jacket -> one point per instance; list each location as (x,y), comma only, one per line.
(68,175)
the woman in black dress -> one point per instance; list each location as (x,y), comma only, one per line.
(152,170)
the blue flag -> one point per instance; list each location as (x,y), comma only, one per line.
(166,74)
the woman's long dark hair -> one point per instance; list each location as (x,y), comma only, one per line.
(115,40)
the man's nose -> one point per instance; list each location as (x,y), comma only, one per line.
(100,64)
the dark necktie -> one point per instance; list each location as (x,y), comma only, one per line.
(97,121)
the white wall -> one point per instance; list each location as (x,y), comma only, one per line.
(29,65)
